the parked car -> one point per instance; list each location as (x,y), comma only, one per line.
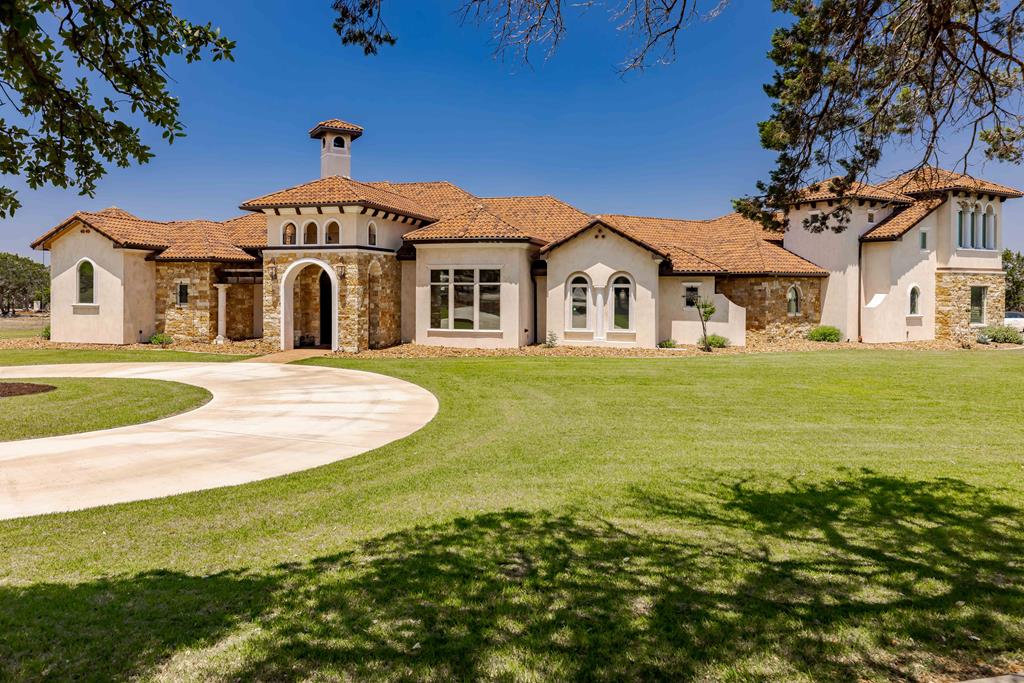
(1014,319)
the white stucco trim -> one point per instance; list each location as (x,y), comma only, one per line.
(287,298)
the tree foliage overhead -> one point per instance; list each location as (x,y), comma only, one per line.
(852,76)
(72,71)
(22,281)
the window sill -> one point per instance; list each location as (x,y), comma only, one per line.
(616,331)
(86,305)
(915,316)
(794,315)
(447,331)
(979,250)
(579,329)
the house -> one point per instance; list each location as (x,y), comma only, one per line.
(351,265)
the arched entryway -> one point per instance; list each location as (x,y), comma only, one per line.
(309,305)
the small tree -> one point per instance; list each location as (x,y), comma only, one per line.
(1013,264)
(22,280)
(705,309)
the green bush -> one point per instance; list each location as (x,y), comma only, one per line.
(716,341)
(667,344)
(45,334)
(1003,334)
(161,339)
(825,333)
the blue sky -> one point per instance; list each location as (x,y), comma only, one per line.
(677,140)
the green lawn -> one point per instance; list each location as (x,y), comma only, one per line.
(832,517)
(20,332)
(47,356)
(82,405)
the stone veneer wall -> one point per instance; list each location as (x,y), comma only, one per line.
(354,295)
(953,302)
(764,297)
(196,321)
(241,299)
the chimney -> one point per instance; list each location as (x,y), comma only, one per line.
(336,137)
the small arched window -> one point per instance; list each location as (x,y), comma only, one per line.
(974,229)
(339,142)
(371,235)
(915,300)
(86,283)
(288,234)
(309,234)
(579,297)
(332,233)
(960,238)
(622,295)
(793,301)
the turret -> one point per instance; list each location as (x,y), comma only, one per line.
(336,137)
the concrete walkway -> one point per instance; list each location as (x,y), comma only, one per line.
(265,420)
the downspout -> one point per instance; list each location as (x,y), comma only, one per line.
(860,288)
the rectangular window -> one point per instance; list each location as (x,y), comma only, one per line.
(465,298)
(978,305)
(691,296)
(924,241)
(183,294)
(871,216)
(960,229)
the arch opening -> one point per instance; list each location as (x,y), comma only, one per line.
(309,306)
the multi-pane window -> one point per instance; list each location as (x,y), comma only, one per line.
(924,240)
(182,294)
(579,298)
(332,233)
(691,295)
(465,298)
(86,283)
(621,295)
(978,305)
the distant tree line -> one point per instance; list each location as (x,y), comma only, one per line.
(22,281)
(1013,264)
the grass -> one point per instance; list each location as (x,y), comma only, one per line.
(21,332)
(82,405)
(832,516)
(48,356)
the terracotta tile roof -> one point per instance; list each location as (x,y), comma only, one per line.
(933,179)
(339,191)
(173,240)
(336,125)
(896,224)
(476,224)
(248,231)
(441,198)
(544,218)
(819,192)
(730,243)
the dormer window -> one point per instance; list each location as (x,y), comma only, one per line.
(339,142)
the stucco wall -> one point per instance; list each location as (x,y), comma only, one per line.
(139,297)
(103,322)
(682,324)
(891,270)
(354,228)
(513,259)
(950,254)
(601,255)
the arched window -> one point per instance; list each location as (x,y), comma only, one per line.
(339,142)
(915,300)
(622,295)
(974,228)
(960,239)
(579,297)
(371,235)
(793,301)
(288,234)
(86,283)
(332,233)
(309,234)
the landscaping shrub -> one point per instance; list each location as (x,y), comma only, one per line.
(667,344)
(716,341)
(45,334)
(161,339)
(825,333)
(551,341)
(1003,334)
(982,338)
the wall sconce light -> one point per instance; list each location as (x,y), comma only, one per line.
(340,268)
(272,271)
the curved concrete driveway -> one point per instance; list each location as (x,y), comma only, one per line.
(264,420)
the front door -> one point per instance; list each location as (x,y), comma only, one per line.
(325,309)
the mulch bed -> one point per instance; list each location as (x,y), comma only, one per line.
(8,389)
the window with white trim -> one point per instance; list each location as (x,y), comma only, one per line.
(332,233)
(622,298)
(465,298)
(288,234)
(86,283)
(915,301)
(793,300)
(309,233)
(579,303)
(974,228)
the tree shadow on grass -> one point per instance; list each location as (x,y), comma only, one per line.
(866,577)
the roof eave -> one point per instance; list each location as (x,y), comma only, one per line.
(314,205)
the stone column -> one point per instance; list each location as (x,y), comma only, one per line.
(222,314)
